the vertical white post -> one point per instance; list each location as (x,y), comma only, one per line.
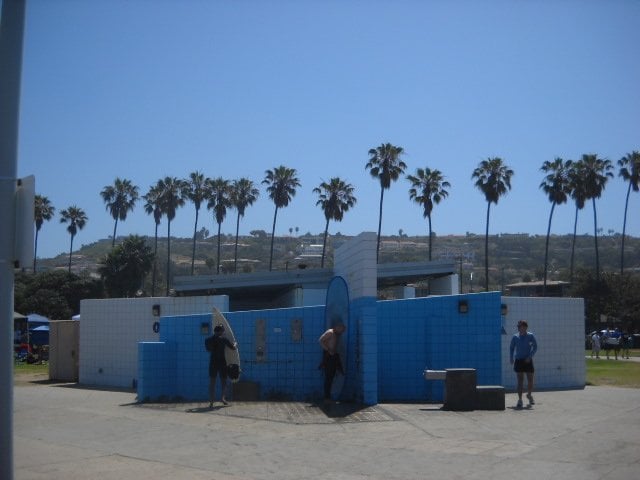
(11,35)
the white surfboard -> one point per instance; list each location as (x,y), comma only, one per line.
(231,356)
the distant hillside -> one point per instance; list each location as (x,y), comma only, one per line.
(512,257)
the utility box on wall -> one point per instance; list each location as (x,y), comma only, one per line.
(64,344)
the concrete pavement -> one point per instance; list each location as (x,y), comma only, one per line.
(66,432)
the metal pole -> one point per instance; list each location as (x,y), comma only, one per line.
(11,35)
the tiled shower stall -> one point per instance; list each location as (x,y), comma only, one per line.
(156,345)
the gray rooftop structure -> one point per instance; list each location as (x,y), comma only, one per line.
(270,289)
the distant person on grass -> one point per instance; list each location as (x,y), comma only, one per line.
(521,351)
(595,345)
(612,342)
(216,344)
(627,343)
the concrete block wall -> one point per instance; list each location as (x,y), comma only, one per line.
(558,324)
(313,296)
(390,343)
(449,285)
(355,261)
(110,330)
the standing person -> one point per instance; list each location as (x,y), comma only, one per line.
(216,344)
(616,339)
(330,358)
(626,340)
(606,342)
(522,349)
(595,344)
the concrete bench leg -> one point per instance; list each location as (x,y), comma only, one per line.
(490,397)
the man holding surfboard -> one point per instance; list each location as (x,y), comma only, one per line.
(217,344)
(331,362)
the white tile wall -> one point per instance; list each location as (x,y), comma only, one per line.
(558,324)
(111,329)
(355,261)
(449,285)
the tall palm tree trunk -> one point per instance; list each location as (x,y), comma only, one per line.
(546,251)
(218,266)
(595,236)
(235,250)
(324,243)
(273,235)
(573,245)
(379,224)
(70,251)
(115,226)
(429,218)
(193,251)
(155,263)
(35,250)
(624,229)
(168,254)
(486,251)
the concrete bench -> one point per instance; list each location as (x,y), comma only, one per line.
(462,392)
(490,397)
(459,386)
(435,374)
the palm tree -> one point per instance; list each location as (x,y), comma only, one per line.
(196,192)
(385,165)
(282,183)
(493,179)
(428,188)
(243,194)
(154,207)
(557,187)
(218,193)
(76,218)
(120,199)
(578,193)
(43,211)
(172,192)
(597,172)
(630,172)
(335,198)
(125,266)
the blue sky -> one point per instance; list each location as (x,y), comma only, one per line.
(143,89)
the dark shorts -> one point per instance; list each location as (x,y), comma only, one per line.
(218,371)
(520,366)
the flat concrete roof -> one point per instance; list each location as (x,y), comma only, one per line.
(277,282)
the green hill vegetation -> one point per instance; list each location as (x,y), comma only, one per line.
(512,257)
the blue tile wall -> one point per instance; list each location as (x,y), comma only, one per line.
(157,370)
(364,345)
(289,370)
(389,345)
(420,333)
